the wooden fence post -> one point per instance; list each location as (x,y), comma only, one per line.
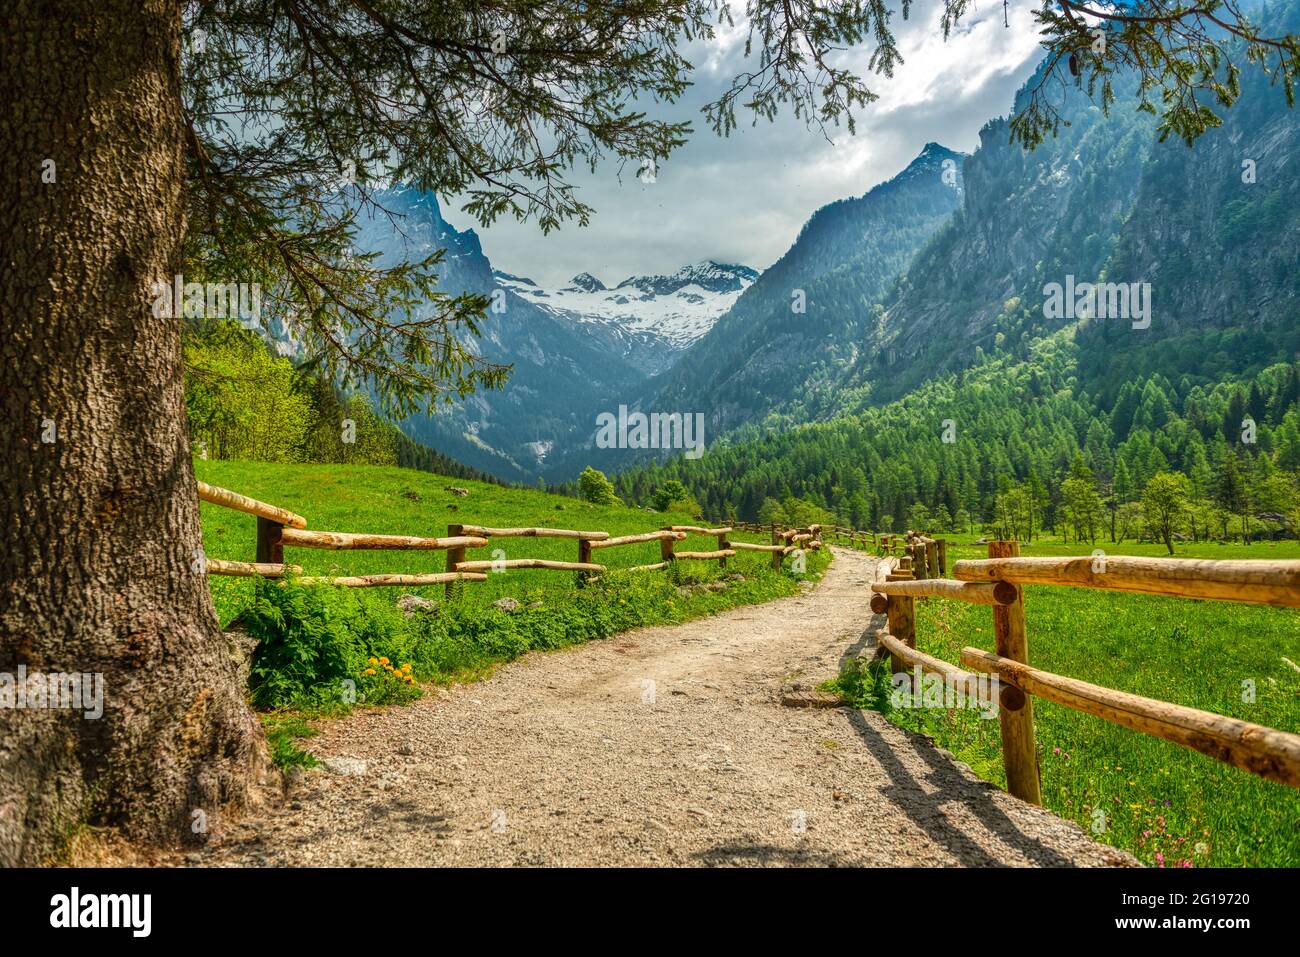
(584,556)
(932,559)
(776,556)
(269,547)
(722,545)
(1015,709)
(454,555)
(901,614)
(943,558)
(666,548)
(919,568)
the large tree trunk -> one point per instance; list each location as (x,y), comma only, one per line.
(99,527)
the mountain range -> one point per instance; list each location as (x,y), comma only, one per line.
(1210,237)
(646,320)
(939,270)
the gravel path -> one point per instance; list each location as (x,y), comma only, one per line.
(662,746)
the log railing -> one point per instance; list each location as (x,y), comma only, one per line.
(926,557)
(278,528)
(998,581)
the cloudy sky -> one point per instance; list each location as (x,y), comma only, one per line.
(744,198)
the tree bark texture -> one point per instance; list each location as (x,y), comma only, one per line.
(100,567)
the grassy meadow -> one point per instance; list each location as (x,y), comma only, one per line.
(1169,806)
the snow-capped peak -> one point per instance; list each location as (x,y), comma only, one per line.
(707,274)
(586,282)
(646,313)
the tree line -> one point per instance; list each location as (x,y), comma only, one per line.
(1017,448)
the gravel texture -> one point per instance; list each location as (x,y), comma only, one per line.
(662,746)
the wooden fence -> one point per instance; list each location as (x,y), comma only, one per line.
(278,528)
(998,582)
(924,556)
(913,567)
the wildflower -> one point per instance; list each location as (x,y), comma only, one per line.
(368,671)
(407,667)
(1160,859)
(383,661)
(372,661)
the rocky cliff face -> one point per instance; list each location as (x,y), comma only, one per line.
(1211,234)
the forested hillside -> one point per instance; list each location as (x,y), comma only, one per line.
(1022,431)
(244,401)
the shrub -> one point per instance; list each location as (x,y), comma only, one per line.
(313,639)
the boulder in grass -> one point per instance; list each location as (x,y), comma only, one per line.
(414,604)
(506,604)
(456,490)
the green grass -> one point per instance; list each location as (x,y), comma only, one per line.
(317,644)
(1146,795)
(283,731)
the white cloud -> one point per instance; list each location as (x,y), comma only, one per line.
(744,198)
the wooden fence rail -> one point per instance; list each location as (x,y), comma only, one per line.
(997,581)
(278,528)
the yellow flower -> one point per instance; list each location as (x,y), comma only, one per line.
(407,667)
(372,661)
(368,671)
(383,661)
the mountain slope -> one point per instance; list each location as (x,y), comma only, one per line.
(765,350)
(559,372)
(796,329)
(1106,202)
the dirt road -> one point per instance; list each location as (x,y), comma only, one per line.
(663,746)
